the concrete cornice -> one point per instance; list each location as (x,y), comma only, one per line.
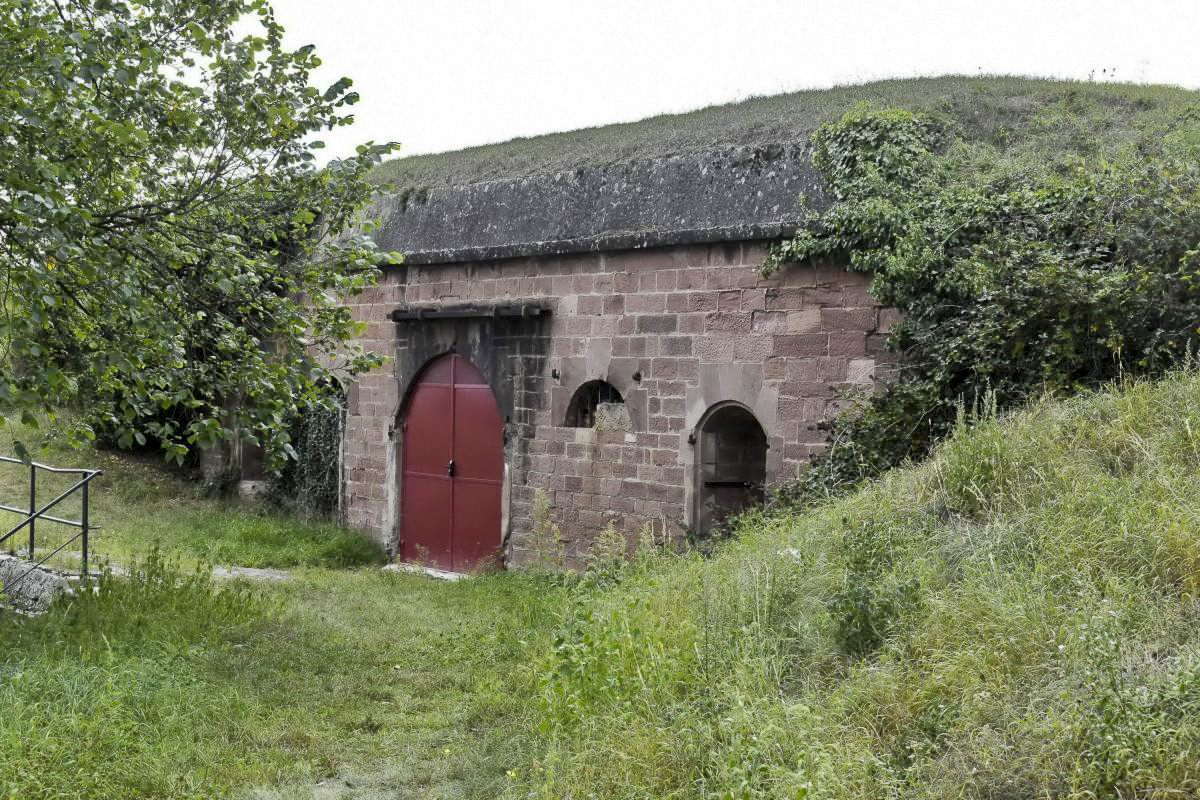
(737,193)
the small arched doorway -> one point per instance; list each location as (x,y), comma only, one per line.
(453,468)
(731,465)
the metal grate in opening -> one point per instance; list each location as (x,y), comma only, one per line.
(581,413)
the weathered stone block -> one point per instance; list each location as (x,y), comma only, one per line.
(754,299)
(646,303)
(729,301)
(769,322)
(677,302)
(784,299)
(861,371)
(702,301)
(714,348)
(676,345)
(805,345)
(832,368)
(753,348)
(806,320)
(848,319)
(656,323)
(847,344)
(824,296)
(638,260)
(613,417)
(731,322)
(36,590)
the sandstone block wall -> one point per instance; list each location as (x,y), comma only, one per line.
(675,329)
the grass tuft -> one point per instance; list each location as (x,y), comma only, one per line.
(251,539)
(364,683)
(109,694)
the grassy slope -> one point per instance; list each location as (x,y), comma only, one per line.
(1052,117)
(1015,617)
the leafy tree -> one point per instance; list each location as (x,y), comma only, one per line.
(171,260)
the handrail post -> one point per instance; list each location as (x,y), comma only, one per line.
(84,520)
(32,507)
(84,524)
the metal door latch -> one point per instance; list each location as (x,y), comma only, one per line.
(450,468)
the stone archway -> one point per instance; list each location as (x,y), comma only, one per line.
(730,466)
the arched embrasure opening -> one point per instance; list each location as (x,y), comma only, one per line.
(591,401)
(731,465)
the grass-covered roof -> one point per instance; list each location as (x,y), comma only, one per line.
(1054,116)
(731,172)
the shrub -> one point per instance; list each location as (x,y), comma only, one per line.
(310,484)
(1014,278)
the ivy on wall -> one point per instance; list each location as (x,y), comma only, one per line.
(310,484)
(1015,278)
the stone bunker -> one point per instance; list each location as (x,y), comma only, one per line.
(599,342)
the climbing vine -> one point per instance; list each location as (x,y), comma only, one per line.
(1016,281)
(310,484)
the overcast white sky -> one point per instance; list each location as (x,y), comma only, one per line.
(444,74)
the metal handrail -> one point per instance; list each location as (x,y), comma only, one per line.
(33,513)
(48,468)
(16,510)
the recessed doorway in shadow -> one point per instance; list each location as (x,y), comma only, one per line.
(731,465)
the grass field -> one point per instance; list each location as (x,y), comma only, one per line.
(346,681)
(137,503)
(338,683)
(1016,617)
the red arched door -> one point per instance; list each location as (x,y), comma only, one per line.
(453,468)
